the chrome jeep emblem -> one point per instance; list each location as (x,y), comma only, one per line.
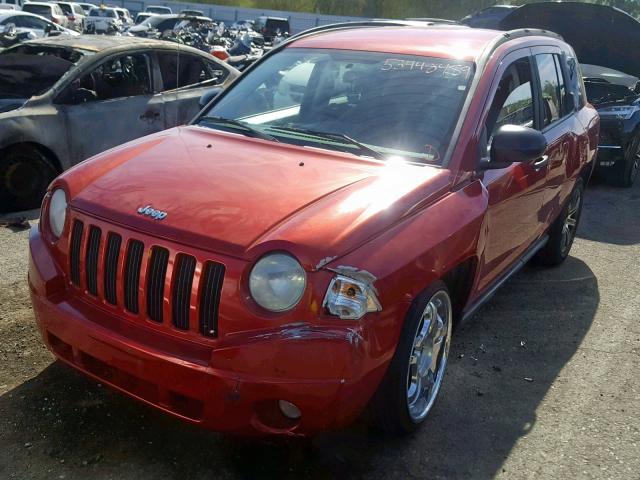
(152,212)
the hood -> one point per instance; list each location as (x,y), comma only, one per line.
(578,23)
(242,196)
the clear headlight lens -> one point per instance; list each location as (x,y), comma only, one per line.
(57,212)
(350,299)
(277,282)
(622,113)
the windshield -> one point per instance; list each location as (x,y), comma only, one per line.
(396,105)
(66,8)
(102,12)
(28,70)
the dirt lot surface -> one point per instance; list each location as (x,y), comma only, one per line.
(544,383)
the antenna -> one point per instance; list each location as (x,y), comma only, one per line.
(178,81)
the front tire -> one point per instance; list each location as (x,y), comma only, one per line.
(25,173)
(563,231)
(414,377)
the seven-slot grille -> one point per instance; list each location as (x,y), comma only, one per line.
(103,253)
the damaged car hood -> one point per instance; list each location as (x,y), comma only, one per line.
(600,35)
(242,196)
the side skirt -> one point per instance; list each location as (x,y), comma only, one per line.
(501,280)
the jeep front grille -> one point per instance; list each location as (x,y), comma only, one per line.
(132,275)
(174,289)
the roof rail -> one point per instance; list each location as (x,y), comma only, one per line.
(528,32)
(434,20)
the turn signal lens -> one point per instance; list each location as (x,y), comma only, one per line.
(350,299)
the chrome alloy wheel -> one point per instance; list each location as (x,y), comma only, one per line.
(571,221)
(429,354)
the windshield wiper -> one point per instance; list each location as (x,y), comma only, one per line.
(249,130)
(364,149)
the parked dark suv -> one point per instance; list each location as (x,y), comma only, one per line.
(611,67)
(269,26)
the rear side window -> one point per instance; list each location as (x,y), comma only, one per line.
(552,86)
(66,8)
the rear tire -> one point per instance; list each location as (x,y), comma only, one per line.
(563,231)
(25,173)
(412,382)
(627,170)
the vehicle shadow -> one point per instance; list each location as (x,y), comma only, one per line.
(604,207)
(19,221)
(503,363)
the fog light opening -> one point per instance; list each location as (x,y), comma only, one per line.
(289,410)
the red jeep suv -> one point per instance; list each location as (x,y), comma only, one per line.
(303,249)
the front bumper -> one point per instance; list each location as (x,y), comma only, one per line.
(615,136)
(231,384)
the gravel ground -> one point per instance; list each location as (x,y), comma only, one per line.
(542,384)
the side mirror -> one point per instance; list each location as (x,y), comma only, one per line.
(515,144)
(54,33)
(10,30)
(208,96)
(82,95)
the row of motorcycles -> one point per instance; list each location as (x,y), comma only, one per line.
(239,49)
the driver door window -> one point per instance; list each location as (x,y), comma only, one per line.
(513,101)
(119,77)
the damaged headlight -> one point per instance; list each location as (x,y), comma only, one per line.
(57,212)
(621,113)
(277,282)
(350,299)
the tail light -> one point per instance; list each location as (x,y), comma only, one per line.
(55,20)
(220,54)
(71,18)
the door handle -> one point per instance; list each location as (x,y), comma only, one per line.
(150,116)
(543,161)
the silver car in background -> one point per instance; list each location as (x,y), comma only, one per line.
(103,20)
(75,15)
(65,99)
(50,11)
(39,26)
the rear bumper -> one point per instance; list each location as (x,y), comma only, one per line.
(230,385)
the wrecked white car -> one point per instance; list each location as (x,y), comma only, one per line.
(65,99)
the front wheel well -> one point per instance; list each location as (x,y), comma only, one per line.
(46,152)
(459,281)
